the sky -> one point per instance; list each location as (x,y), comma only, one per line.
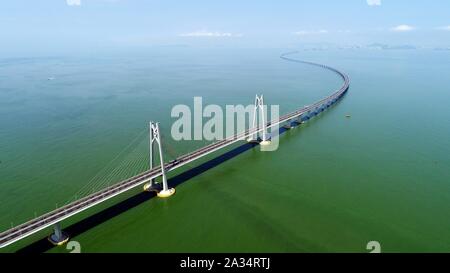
(79,24)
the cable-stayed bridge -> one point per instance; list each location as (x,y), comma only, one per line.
(147,178)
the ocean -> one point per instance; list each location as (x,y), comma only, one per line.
(72,124)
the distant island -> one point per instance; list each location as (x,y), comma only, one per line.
(373,46)
(442,48)
(390,47)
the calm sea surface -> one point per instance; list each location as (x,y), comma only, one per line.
(71,124)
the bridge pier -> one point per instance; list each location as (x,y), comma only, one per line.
(58,237)
(151,186)
(299,120)
(259,105)
(288,125)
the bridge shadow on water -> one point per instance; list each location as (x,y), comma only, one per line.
(98,218)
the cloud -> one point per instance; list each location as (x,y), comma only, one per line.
(374,2)
(73,2)
(310,32)
(444,28)
(203,33)
(403,28)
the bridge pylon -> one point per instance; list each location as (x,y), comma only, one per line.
(58,237)
(155,138)
(259,108)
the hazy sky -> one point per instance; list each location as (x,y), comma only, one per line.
(74,24)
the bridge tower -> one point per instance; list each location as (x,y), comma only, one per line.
(259,105)
(58,237)
(155,138)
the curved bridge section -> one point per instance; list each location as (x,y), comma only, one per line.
(56,216)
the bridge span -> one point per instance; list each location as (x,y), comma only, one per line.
(55,217)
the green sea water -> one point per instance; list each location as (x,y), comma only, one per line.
(73,124)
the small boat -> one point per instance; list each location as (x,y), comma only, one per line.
(348,116)
(50,78)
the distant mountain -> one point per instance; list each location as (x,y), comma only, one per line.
(374,46)
(380,46)
(442,48)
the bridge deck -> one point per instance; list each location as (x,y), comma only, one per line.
(16,233)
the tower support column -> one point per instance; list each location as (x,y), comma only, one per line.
(155,138)
(58,237)
(259,109)
(152,157)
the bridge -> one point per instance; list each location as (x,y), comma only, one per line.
(147,178)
